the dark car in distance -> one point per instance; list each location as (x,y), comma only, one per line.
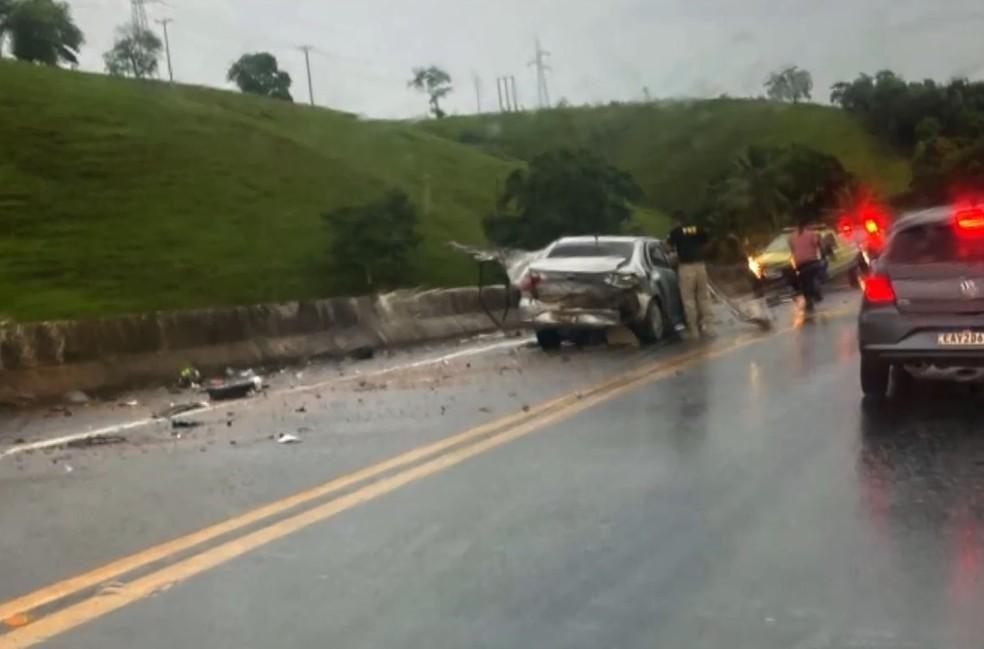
(923,305)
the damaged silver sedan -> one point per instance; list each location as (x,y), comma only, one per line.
(583,285)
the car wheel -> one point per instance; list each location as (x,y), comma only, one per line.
(548,339)
(653,328)
(874,377)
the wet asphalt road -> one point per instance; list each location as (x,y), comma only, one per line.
(746,499)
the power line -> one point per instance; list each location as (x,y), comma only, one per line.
(167,46)
(539,60)
(307,64)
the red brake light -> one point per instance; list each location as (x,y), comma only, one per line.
(878,290)
(529,283)
(871,226)
(971,220)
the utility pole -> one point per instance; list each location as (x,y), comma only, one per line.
(307,63)
(167,47)
(515,95)
(478,92)
(539,60)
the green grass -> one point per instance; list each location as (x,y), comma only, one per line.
(120,196)
(673,149)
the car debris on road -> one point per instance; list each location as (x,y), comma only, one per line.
(237,386)
(287,438)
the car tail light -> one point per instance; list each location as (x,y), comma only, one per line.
(970,221)
(878,290)
(529,282)
(871,226)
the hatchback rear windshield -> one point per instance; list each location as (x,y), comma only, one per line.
(621,249)
(935,243)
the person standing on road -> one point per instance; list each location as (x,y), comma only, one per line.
(688,241)
(804,244)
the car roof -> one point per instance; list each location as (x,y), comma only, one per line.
(941,214)
(604,238)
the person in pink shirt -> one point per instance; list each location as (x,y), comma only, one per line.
(804,244)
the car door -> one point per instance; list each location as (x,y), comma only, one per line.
(664,280)
(845,252)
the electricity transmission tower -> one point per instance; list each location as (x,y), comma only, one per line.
(539,60)
(138,11)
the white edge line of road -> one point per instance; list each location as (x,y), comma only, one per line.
(116,429)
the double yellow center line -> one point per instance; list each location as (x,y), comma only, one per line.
(347,492)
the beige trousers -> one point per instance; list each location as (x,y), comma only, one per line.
(696,297)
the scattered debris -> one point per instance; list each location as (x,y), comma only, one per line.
(77,397)
(484,409)
(526,408)
(20,440)
(190,377)
(132,403)
(69,468)
(363,353)
(444,409)
(185,424)
(97,440)
(232,442)
(236,388)
(287,438)
(179,409)
(301,409)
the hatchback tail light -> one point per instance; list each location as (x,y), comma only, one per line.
(878,290)
(970,221)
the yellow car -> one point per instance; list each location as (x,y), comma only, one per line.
(772,269)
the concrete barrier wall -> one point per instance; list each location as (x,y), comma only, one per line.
(46,359)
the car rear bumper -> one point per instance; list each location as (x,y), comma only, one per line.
(895,337)
(545,316)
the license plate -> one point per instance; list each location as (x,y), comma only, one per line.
(961,339)
(773,274)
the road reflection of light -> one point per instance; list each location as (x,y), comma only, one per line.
(847,344)
(965,578)
(754,378)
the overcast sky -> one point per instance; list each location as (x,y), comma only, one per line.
(601,49)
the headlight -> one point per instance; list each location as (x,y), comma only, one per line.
(623,280)
(755,267)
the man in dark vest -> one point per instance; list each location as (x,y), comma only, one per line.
(689,242)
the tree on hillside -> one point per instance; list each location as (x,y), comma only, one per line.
(376,239)
(789,84)
(258,74)
(562,193)
(767,188)
(135,53)
(436,83)
(42,31)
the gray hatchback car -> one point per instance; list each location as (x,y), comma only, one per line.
(923,304)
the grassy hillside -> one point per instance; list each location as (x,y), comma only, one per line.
(673,148)
(120,196)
